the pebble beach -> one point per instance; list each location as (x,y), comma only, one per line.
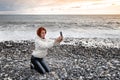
(74,59)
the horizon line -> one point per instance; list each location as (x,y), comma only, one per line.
(59,14)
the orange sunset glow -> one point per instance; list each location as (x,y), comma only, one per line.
(65,7)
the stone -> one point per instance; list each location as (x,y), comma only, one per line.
(67,62)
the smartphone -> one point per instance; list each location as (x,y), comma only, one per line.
(61,33)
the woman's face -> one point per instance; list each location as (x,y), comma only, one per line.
(42,34)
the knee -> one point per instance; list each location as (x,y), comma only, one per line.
(48,70)
(43,72)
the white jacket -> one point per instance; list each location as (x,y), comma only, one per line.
(41,46)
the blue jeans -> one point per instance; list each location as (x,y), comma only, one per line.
(39,65)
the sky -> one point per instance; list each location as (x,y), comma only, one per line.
(59,6)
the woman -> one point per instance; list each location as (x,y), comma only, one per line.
(41,46)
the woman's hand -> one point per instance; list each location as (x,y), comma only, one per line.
(59,39)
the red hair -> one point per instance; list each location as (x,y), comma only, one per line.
(39,30)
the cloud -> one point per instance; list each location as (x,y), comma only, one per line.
(59,6)
(14,5)
(6,6)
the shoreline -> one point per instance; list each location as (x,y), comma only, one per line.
(87,42)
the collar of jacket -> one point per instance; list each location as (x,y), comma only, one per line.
(40,38)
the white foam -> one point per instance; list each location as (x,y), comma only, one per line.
(16,35)
(87,33)
(72,32)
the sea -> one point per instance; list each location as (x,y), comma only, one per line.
(23,27)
